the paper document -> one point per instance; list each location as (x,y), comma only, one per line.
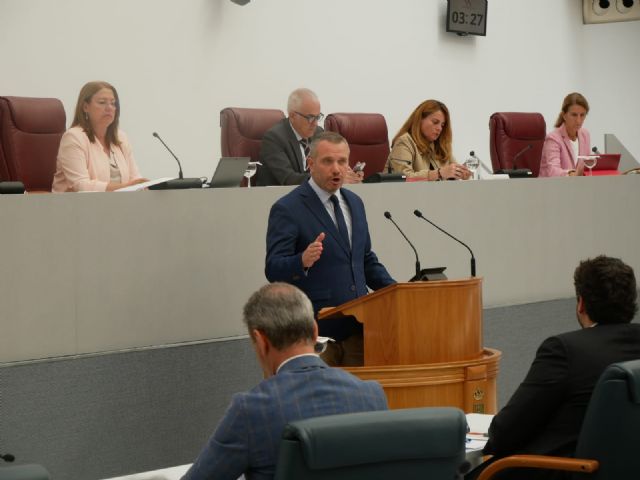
(143,185)
(479,422)
(478,427)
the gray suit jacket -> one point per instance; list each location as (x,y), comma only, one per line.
(281,157)
(248,436)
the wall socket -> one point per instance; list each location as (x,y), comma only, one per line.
(606,11)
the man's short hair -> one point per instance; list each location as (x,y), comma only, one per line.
(297,97)
(282,312)
(326,136)
(608,289)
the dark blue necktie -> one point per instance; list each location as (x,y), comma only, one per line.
(342,225)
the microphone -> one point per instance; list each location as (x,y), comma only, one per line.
(418,214)
(179,182)
(7,457)
(417,275)
(595,150)
(180,176)
(518,155)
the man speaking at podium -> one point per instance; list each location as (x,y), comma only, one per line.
(318,239)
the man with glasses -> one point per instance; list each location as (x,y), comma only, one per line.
(297,385)
(285,147)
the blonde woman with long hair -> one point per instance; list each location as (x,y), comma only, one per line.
(422,146)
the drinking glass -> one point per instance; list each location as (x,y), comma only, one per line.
(472,163)
(590,161)
(252,167)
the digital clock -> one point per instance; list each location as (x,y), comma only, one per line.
(467,17)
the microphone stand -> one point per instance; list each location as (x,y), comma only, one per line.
(176,183)
(418,214)
(434,273)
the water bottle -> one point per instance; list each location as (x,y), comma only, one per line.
(472,163)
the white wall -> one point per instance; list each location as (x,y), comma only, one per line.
(176,64)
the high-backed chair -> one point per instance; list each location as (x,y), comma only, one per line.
(30,132)
(367,135)
(241,130)
(4,170)
(511,133)
(608,441)
(405,443)
(24,472)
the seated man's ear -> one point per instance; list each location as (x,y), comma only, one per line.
(580,306)
(261,342)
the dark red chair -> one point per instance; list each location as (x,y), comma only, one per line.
(367,136)
(241,131)
(510,133)
(30,132)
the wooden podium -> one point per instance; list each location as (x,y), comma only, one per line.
(423,343)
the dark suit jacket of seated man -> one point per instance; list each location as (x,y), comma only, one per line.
(545,414)
(281,154)
(297,385)
(306,249)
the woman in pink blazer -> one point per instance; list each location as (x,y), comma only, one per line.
(563,145)
(94,155)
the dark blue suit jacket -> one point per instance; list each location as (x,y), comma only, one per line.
(342,273)
(248,436)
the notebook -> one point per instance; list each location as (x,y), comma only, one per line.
(229,172)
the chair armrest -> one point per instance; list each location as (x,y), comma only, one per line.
(539,461)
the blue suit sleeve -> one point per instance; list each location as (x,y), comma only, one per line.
(284,255)
(226,454)
(375,273)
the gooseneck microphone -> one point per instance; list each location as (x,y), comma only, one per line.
(7,457)
(418,214)
(180,176)
(595,150)
(388,217)
(519,154)
(180,182)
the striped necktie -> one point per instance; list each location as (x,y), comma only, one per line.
(305,145)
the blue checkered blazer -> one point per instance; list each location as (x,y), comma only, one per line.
(247,439)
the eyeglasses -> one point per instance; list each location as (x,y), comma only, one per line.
(311,118)
(107,104)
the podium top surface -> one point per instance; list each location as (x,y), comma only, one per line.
(331,312)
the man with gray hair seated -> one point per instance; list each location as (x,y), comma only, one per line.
(285,147)
(297,385)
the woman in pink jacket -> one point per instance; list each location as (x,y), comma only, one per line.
(94,155)
(568,141)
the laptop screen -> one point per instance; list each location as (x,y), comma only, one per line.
(229,172)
